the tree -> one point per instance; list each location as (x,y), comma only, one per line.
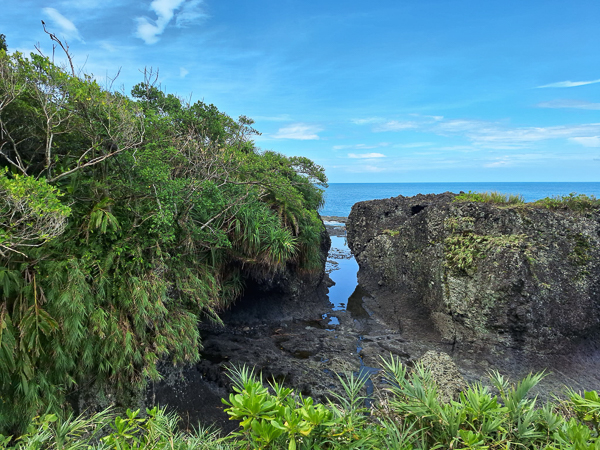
(123,222)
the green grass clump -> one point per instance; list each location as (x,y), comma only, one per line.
(490,197)
(573,201)
(408,416)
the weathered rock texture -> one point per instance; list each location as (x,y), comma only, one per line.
(445,374)
(481,275)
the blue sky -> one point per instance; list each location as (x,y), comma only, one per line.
(382,91)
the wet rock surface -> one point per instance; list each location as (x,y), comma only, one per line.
(305,353)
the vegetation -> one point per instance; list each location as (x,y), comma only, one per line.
(409,416)
(573,201)
(490,197)
(463,247)
(123,222)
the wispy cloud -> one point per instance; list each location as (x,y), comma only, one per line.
(368,168)
(497,137)
(416,121)
(190,13)
(367,120)
(413,145)
(360,146)
(395,125)
(366,155)
(299,131)
(499,163)
(67,28)
(183,72)
(567,84)
(87,4)
(148,29)
(589,141)
(576,104)
(279,118)
(493,135)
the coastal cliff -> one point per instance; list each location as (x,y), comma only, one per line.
(480,275)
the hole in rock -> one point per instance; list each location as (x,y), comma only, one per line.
(417,209)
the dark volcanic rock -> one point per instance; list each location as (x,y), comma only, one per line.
(480,275)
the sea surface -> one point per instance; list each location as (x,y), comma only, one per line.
(339,197)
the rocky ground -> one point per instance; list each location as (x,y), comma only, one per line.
(304,343)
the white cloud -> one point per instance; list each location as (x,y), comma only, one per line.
(190,13)
(395,125)
(299,131)
(362,168)
(373,169)
(367,120)
(67,28)
(497,137)
(183,72)
(577,104)
(88,4)
(500,163)
(148,29)
(360,146)
(567,84)
(366,155)
(109,47)
(279,118)
(414,145)
(492,135)
(589,141)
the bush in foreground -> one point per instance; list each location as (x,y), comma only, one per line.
(408,416)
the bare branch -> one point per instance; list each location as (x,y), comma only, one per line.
(64,46)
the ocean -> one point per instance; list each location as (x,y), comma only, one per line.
(339,197)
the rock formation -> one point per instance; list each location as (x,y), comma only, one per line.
(481,275)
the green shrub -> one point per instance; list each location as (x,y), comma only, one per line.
(573,201)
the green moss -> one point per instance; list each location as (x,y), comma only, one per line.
(462,250)
(580,255)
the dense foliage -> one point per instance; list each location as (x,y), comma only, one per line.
(124,221)
(409,416)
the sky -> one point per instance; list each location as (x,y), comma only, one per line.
(380,91)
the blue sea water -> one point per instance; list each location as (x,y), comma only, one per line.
(339,197)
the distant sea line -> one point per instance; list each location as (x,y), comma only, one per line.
(339,197)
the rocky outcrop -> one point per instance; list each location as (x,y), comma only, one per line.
(481,275)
